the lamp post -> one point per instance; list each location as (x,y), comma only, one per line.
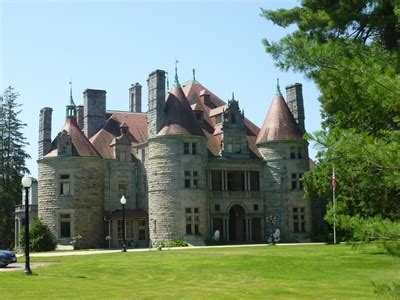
(123,202)
(26,183)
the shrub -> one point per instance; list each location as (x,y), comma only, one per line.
(174,243)
(41,238)
(212,242)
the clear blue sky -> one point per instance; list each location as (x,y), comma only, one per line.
(110,45)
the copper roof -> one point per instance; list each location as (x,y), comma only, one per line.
(279,124)
(81,146)
(178,115)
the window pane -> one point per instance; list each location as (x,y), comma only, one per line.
(187,183)
(196,229)
(217,207)
(64,176)
(65,229)
(187,173)
(194,173)
(195,183)
(188,228)
(185,148)
(194,149)
(196,210)
(188,210)
(142,235)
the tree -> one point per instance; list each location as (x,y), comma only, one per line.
(12,164)
(41,238)
(350,49)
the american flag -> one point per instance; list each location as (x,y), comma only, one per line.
(333,179)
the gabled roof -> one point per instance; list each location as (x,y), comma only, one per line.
(81,146)
(136,122)
(279,124)
(178,115)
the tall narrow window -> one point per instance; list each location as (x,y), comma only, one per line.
(299,219)
(299,153)
(292,152)
(187,179)
(294,181)
(194,148)
(191,179)
(65,184)
(122,186)
(192,220)
(65,226)
(186,148)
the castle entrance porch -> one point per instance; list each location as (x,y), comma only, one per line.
(237,223)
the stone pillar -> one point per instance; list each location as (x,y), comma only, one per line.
(156,101)
(94,111)
(294,99)
(135,98)
(80,116)
(44,131)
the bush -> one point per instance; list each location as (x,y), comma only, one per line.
(41,238)
(212,242)
(174,243)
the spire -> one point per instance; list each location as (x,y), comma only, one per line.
(233,96)
(278,89)
(167,75)
(176,73)
(71,107)
(194,74)
(70,94)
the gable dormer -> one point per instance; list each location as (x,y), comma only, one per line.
(234,141)
(64,144)
(122,144)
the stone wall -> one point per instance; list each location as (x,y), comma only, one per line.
(84,203)
(167,194)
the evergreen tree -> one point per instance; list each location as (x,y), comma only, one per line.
(350,49)
(12,164)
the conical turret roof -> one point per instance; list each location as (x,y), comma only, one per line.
(178,115)
(279,124)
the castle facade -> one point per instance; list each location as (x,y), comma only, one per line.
(189,166)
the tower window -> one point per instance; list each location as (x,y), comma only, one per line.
(192,220)
(65,225)
(186,149)
(65,184)
(292,153)
(194,148)
(299,219)
(191,179)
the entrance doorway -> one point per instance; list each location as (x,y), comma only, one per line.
(237,223)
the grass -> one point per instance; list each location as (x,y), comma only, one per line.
(281,272)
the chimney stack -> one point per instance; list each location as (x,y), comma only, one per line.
(294,99)
(156,101)
(44,131)
(79,116)
(135,98)
(94,111)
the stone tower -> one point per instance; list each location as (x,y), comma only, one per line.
(44,131)
(94,111)
(70,199)
(285,151)
(156,101)
(294,98)
(135,98)
(177,173)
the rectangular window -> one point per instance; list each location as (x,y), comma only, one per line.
(292,152)
(122,155)
(299,219)
(255,207)
(65,184)
(229,148)
(142,223)
(217,207)
(238,148)
(191,179)
(122,186)
(216,179)
(194,148)
(294,181)
(129,229)
(254,181)
(299,153)
(186,149)
(192,220)
(119,229)
(142,234)
(65,225)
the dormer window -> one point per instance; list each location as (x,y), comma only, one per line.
(199,116)
(218,119)
(121,155)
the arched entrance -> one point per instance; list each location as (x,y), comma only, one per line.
(237,223)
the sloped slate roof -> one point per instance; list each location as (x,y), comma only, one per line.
(178,115)
(279,124)
(81,146)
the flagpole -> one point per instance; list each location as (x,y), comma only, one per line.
(334,204)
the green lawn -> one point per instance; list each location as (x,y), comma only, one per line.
(316,271)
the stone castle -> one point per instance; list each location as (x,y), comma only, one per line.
(190,166)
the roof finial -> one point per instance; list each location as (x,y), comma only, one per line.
(176,73)
(70,93)
(233,96)
(194,74)
(278,89)
(167,75)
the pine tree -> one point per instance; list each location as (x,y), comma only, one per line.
(12,164)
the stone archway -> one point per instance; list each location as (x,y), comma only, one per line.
(237,224)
